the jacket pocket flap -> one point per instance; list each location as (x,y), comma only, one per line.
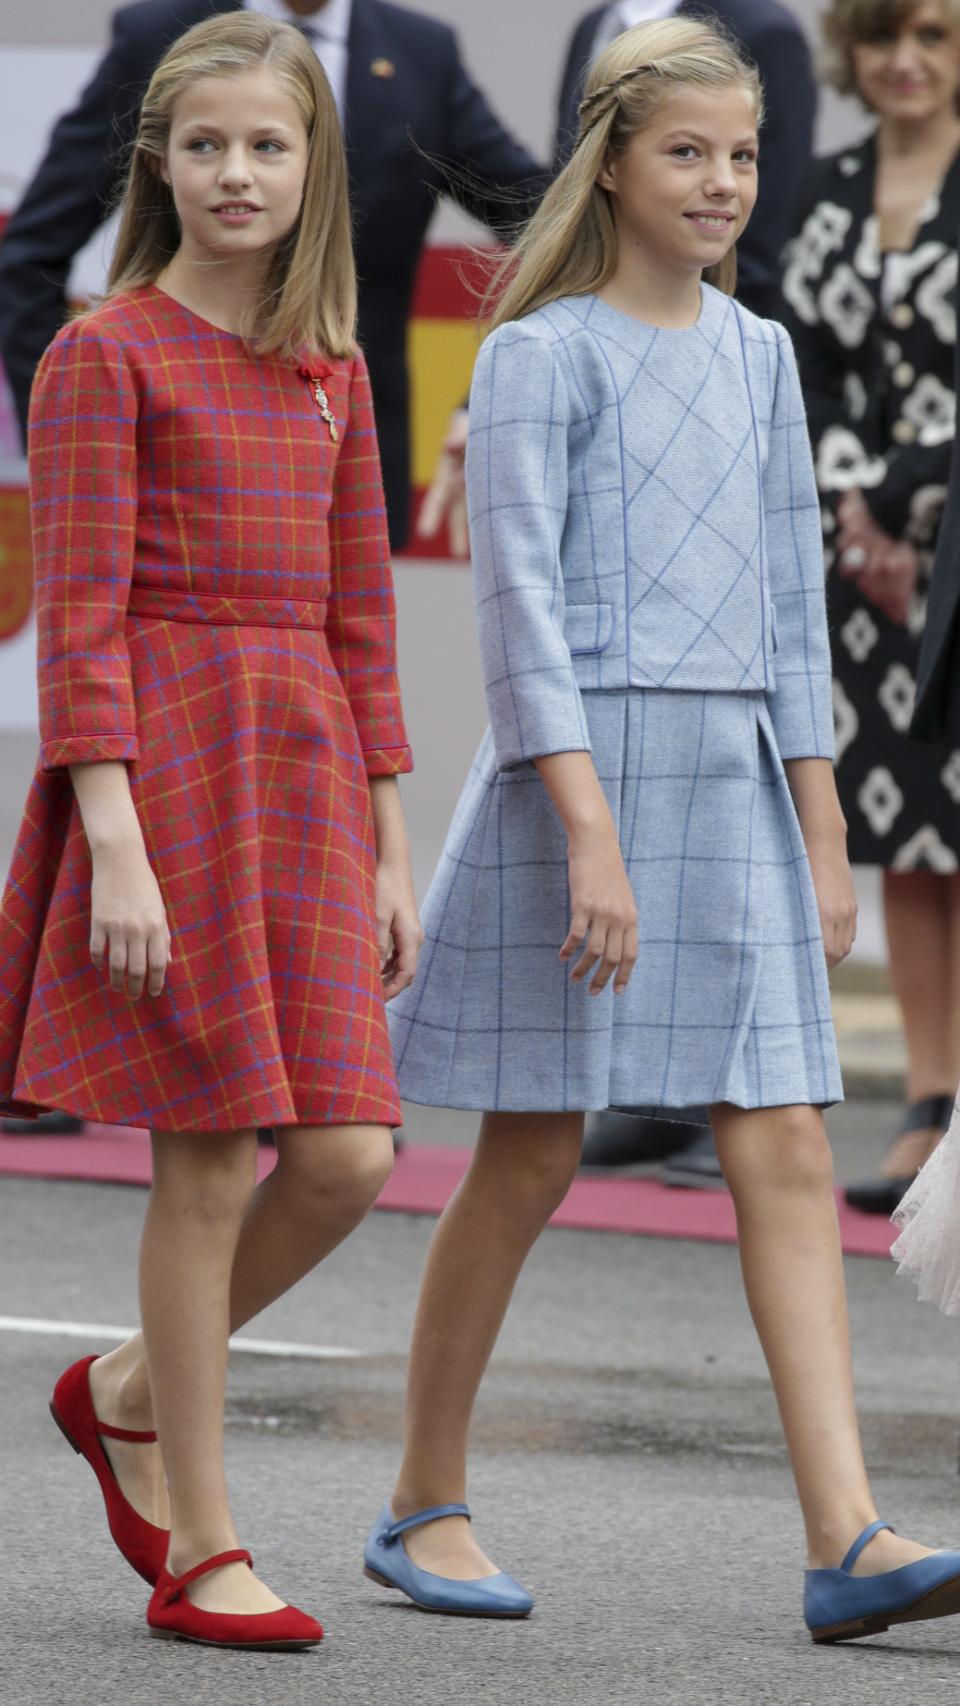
(588,627)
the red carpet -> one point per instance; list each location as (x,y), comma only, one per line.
(425,1176)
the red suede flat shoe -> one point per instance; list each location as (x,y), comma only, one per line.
(173,1617)
(142,1544)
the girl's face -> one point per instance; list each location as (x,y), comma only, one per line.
(913,72)
(236,163)
(685,186)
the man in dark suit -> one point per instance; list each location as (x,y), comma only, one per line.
(772,38)
(936,713)
(415,126)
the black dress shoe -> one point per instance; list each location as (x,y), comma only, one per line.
(883,1195)
(878,1196)
(697,1166)
(45,1125)
(628,1137)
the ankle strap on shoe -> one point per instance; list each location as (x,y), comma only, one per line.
(930,1111)
(174,1588)
(861,1541)
(138,1436)
(432,1514)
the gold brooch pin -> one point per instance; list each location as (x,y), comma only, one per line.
(323,405)
(315,380)
(383,68)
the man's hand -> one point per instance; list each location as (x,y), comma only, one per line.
(446,499)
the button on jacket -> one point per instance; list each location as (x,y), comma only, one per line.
(643,513)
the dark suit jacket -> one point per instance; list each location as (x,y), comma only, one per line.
(425,130)
(774,40)
(936,715)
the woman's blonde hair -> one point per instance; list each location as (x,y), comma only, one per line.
(849,24)
(310,295)
(570,245)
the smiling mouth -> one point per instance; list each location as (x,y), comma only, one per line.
(237,207)
(711,221)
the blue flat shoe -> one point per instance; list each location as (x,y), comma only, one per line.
(838,1606)
(387,1562)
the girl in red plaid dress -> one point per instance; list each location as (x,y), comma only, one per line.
(211,894)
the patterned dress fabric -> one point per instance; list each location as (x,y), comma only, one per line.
(875,336)
(649,585)
(928,1249)
(215,609)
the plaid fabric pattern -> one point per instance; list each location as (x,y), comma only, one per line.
(643,513)
(214,607)
(729,999)
(644,520)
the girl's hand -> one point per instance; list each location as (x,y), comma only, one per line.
(603,912)
(128,921)
(836,896)
(399,931)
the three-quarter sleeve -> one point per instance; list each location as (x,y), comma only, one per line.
(517,500)
(83,510)
(361,616)
(801,706)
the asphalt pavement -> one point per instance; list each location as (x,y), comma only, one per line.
(627,1467)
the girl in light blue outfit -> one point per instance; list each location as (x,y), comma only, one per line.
(646,876)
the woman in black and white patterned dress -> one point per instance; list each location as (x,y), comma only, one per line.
(870,301)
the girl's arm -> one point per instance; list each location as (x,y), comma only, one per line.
(361,634)
(801,707)
(517,492)
(399,932)
(603,912)
(83,507)
(824,832)
(520,417)
(83,511)
(128,924)
(361,618)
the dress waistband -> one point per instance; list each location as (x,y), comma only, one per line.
(234,610)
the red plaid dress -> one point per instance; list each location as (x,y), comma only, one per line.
(215,607)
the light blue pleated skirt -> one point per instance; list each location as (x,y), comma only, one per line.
(729,999)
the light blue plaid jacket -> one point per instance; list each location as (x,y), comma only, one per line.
(643,513)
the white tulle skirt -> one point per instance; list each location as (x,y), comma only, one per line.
(928,1248)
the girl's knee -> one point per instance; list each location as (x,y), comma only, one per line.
(537,1163)
(209,1176)
(336,1166)
(785,1147)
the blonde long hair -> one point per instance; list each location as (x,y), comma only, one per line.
(570,245)
(309,301)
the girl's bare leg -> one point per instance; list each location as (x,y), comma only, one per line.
(201,1187)
(778,1165)
(520,1173)
(325,1181)
(920,910)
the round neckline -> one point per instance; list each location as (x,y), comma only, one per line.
(192,314)
(623,318)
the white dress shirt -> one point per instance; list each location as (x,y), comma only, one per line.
(328,30)
(624,15)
